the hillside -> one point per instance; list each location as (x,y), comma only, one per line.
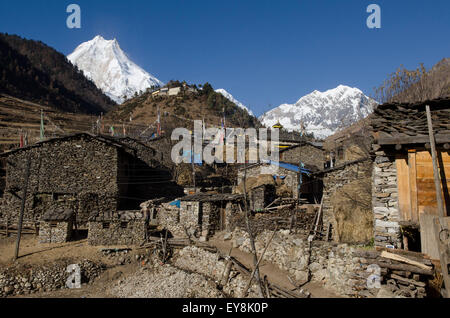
(36,72)
(17,114)
(181,110)
(409,86)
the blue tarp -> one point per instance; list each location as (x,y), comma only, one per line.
(176,203)
(197,157)
(288,166)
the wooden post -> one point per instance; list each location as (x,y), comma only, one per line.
(7,227)
(440,226)
(250,234)
(22,208)
(439,221)
(319,215)
(437,182)
(193,165)
(257,264)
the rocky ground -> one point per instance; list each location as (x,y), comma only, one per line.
(134,273)
(165,281)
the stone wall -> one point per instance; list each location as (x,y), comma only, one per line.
(60,233)
(24,279)
(201,219)
(168,217)
(333,265)
(130,232)
(261,196)
(308,154)
(210,218)
(63,172)
(191,217)
(333,181)
(385,201)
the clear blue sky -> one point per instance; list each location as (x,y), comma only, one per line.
(264,52)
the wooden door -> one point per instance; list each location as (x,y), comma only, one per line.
(416,189)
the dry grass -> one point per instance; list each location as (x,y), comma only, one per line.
(353,213)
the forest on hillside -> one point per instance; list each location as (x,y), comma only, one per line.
(34,71)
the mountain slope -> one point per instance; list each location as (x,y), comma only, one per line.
(111,70)
(182,110)
(232,99)
(410,86)
(322,113)
(34,71)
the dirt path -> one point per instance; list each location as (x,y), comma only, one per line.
(274,274)
(33,252)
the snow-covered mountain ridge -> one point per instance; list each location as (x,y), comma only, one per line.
(322,113)
(110,69)
(234,100)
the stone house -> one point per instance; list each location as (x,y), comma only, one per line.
(121,228)
(287,174)
(56,226)
(203,214)
(306,152)
(84,173)
(174,91)
(404,193)
(349,144)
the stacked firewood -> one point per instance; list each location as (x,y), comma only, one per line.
(405,273)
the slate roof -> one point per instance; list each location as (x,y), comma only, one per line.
(207,197)
(58,215)
(394,123)
(123,216)
(106,140)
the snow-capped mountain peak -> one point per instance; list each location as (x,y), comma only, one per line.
(322,113)
(104,62)
(232,99)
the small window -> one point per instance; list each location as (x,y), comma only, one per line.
(340,153)
(53,224)
(189,208)
(106,225)
(123,225)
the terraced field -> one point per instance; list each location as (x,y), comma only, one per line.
(17,115)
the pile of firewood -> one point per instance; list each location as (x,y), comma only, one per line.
(405,273)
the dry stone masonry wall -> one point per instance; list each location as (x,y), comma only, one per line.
(385,201)
(58,232)
(21,280)
(334,265)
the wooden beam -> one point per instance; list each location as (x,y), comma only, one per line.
(22,208)
(404,259)
(440,139)
(257,264)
